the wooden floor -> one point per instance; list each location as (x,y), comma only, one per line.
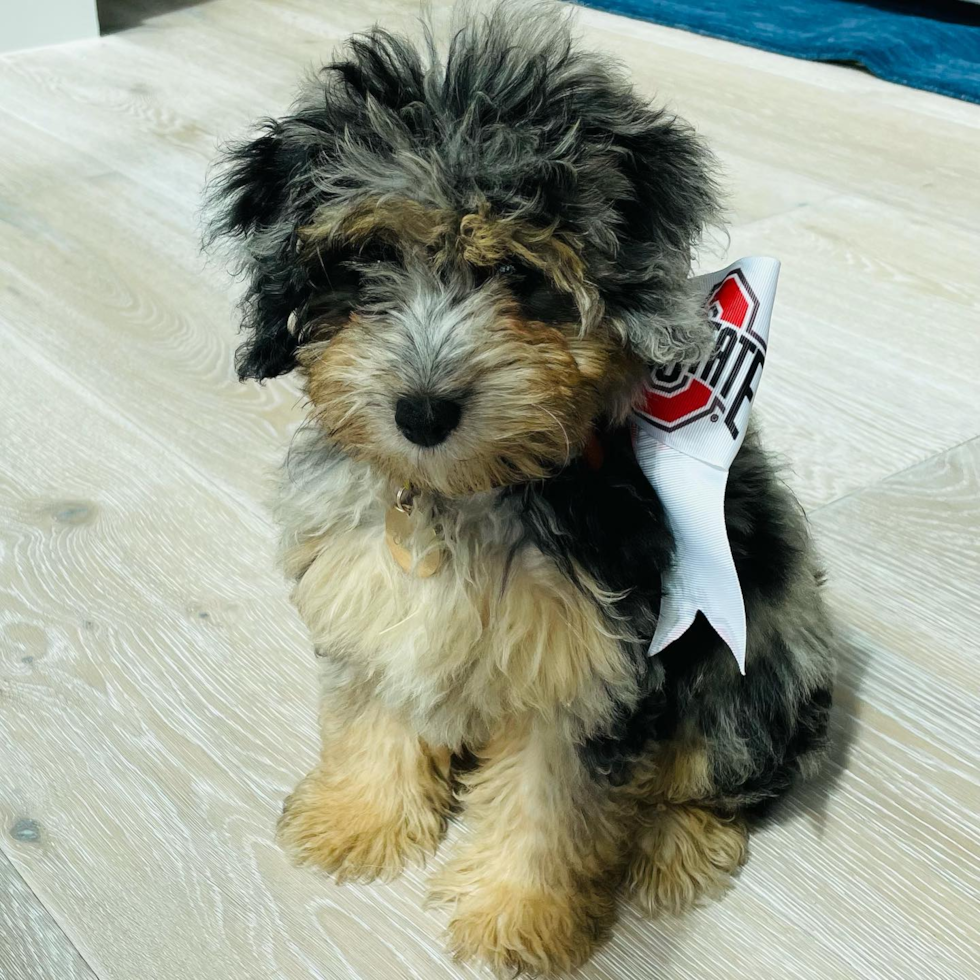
(156,689)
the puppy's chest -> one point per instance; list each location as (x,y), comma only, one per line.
(489,633)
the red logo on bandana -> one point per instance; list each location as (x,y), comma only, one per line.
(717,387)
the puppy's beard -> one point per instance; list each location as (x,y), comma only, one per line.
(530,394)
(463,466)
(496,444)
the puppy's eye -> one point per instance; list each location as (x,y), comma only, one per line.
(539,298)
(508,272)
(375,253)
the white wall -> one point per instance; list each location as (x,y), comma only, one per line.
(33,23)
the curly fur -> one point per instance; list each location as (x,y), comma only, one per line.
(512,114)
(502,224)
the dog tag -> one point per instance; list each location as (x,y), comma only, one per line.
(399,534)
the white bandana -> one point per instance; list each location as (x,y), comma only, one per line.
(686,435)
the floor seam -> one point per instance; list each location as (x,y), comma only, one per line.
(893,476)
(5,855)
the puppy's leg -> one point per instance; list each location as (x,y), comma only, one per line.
(693,792)
(683,850)
(532,887)
(377,799)
(738,742)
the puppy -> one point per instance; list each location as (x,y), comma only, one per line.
(472,257)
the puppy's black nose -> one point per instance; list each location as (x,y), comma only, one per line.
(424,420)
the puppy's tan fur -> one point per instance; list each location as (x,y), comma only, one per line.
(481,643)
(538,387)
(378,798)
(504,657)
(478,237)
(533,886)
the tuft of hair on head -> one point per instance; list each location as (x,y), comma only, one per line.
(511,119)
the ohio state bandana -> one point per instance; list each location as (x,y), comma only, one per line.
(686,434)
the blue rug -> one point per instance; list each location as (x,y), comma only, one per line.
(933,46)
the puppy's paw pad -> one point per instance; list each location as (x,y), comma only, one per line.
(686,855)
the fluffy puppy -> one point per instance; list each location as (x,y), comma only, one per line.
(472,256)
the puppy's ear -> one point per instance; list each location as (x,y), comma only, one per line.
(255,201)
(668,196)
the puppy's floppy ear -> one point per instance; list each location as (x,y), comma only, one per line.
(675,198)
(667,197)
(256,201)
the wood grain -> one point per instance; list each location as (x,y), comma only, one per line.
(920,530)
(160,704)
(113,272)
(875,369)
(32,947)
(843,129)
(156,689)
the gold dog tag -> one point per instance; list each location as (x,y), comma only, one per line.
(399,532)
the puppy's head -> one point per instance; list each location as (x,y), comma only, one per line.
(472,255)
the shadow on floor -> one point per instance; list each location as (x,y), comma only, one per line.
(814,796)
(121,15)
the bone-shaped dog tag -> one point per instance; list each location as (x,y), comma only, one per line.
(401,534)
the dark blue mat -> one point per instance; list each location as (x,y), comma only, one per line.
(933,46)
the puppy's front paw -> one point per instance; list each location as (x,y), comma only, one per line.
(685,854)
(360,832)
(523,929)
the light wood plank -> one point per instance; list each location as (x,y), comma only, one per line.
(33,159)
(163,704)
(32,947)
(841,128)
(920,533)
(110,277)
(871,367)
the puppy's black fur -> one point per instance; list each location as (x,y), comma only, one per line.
(609,522)
(538,129)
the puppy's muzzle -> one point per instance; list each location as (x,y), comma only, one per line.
(426,421)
